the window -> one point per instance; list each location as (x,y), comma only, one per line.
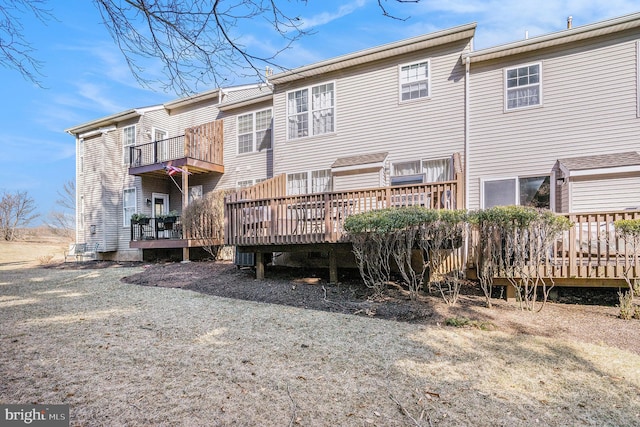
(81,155)
(254,131)
(245,183)
(128,205)
(321,181)
(417,172)
(523,191)
(414,81)
(523,86)
(318,181)
(128,140)
(320,111)
(81,218)
(195,193)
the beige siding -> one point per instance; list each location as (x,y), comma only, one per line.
(357,179)
(589,107)
(605,194)
(240,167)
(370,118)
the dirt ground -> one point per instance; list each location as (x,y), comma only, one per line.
(583,315)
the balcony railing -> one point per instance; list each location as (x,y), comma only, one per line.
(319,218)
(203,143)
(156,229)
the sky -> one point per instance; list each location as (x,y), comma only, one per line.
(85,76)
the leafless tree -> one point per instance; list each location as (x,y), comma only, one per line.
(15,51)
(62,221)
(16,212)
(193,43)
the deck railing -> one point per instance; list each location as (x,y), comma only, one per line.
(319,218)
(202,142)
(588,250)
(154,229)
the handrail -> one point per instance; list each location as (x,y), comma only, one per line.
(319,217)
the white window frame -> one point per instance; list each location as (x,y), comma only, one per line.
(524,86)
(309,181)
(159,130)
(420,176)
(126,143)
(126,210)
(307,111)
(245,183)
(517,179)
(81,156)
(404,80)
(254,131)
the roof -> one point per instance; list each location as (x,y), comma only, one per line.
(246,95)
(599,164)
(198,97)
(557,38)
(360,159)
(110,120)
(380,52)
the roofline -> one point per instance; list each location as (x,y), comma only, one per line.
(380,52)
(109,120)
(245,102)
(198,97)
(557,38)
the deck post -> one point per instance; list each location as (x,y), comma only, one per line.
(185,202)
(510,293)
(260,265)
(333,267)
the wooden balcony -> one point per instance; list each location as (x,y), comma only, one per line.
(263,216)
(200,149)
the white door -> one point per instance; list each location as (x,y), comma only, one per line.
(160,137)
(160,207)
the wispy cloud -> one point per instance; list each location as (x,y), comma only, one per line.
(328,17)
(25,150)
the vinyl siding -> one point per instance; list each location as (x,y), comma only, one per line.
(370,118)
(588,107)
(605,194)
(245,166)
(356,180)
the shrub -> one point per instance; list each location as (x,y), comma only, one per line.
(628,230)
(512,242)
(203,219)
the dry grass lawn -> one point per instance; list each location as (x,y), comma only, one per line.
(122,354)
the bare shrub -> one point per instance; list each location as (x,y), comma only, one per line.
(203,219)
(513,242)
(441,237)
(628,230)
(45,259)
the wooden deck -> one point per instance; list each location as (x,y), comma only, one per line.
(319,218)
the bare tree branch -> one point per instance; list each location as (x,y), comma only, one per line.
(196,43)
(16,52)
(16,211)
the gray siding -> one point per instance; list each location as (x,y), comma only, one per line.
(605,194)
(370,118)
(357,179)
(589,107)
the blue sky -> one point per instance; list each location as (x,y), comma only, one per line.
(86,77)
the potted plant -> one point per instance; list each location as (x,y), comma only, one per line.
(140,218)
(168,218)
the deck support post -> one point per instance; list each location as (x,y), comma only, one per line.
(185,202)
(510,293)
(333,267)
(260,265)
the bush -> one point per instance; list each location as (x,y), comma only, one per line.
(203,219)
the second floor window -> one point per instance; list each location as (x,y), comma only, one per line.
(311,111)
(414,81)
(522,86)
(254,131)
(128,140)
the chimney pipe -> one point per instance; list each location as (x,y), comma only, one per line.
(569,22)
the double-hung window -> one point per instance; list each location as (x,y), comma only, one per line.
(254,131)
(128,205)
(523,86)
(523,191)
(311,111)
(318,181)
(414,81)
(128,140)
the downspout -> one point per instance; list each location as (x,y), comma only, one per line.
(467,84)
